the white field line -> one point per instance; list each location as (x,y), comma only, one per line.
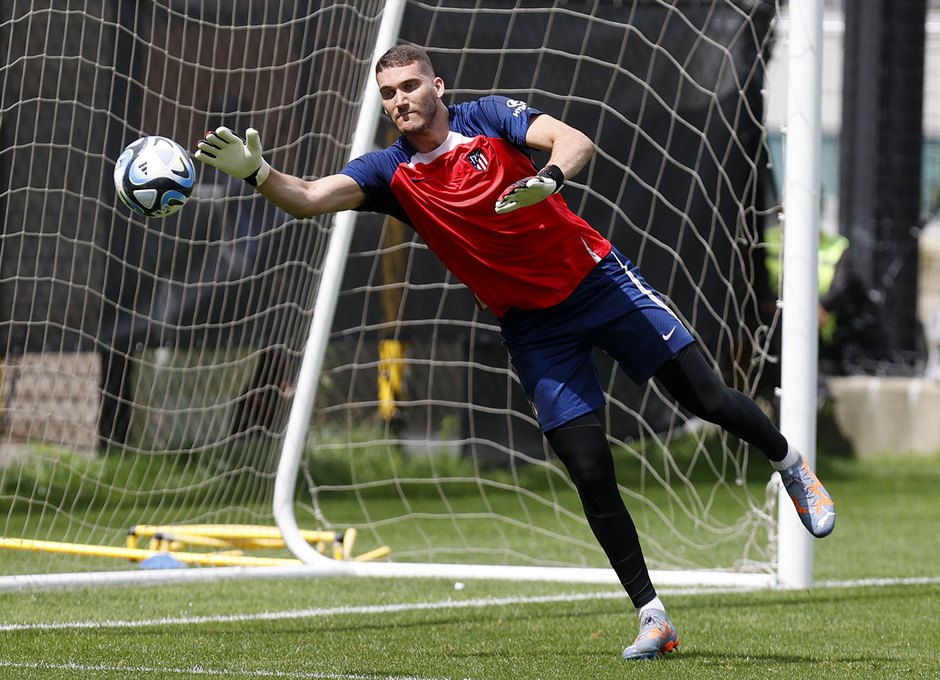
(197,671)
(315,612)
(345,610)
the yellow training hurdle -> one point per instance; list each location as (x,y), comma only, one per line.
(226,540)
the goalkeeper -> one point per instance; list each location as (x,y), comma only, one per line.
(463,177)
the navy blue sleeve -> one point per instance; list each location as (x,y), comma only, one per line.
(496,116)
(373,172)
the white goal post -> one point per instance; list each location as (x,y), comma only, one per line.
(308,379)
(172,391)
(802,187)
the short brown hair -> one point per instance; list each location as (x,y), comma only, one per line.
(402,55)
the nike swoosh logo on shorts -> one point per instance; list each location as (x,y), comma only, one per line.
(668,335)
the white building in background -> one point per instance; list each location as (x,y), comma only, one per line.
(833,35)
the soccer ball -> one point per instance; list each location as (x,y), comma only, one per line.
(154,176)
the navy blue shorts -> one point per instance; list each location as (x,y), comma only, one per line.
(613,309)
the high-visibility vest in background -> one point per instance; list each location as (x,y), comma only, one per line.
(831,249)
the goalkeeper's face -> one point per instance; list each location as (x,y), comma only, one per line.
(411,96)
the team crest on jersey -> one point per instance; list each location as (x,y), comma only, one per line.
(478,160)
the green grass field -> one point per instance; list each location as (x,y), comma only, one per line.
(889,513)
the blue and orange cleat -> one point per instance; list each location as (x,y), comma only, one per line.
(657,636)
(812,501)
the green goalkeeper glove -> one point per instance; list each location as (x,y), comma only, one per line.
(531,190)
(233,155)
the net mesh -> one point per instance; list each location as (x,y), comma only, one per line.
(149,365)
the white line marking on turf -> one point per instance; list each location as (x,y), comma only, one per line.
(871,582)
(320,612)
(317,612)
(366,609)
(198,671)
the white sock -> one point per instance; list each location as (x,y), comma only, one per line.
(655,603)
(792,458)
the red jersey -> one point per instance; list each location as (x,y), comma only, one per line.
(531,258)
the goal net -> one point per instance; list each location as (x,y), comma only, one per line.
(149,366)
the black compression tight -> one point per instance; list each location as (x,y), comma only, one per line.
(693,384)
(581,444)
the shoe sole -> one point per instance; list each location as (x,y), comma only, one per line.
(670,646)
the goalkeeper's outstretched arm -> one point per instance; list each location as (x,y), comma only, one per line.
(242,158)
(307,198)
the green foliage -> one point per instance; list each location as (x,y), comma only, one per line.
(59,477)
(368,454)
(366,459)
